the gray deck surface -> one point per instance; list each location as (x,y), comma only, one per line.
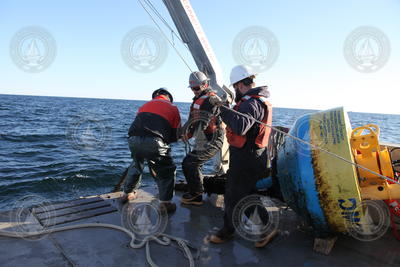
(107,247)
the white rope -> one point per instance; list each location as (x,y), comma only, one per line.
(314,146)
(165,239)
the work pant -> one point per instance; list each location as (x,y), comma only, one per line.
(246,166)
(194,161)
(160,163)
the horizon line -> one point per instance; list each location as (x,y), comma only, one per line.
(311,109)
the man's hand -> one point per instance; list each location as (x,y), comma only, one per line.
(215,100)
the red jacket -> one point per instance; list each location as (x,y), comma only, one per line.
(158,118)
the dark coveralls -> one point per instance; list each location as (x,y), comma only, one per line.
(246,164)
(150,134)
(194,161)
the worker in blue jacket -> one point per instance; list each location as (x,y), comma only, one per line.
(247,146)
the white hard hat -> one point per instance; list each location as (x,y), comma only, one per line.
(240,72)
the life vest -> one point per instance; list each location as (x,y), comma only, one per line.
(261,140)
(195,111)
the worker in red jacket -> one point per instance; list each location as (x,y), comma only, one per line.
(204,124)
(150,134)
(247,146)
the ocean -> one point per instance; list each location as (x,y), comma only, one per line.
(61,148)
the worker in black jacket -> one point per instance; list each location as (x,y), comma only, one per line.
(205,125)
(150,134)
(247,146)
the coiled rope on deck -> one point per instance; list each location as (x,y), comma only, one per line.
(162,239)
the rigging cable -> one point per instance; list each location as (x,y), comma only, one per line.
(165,36)
(260,122)
(148,2)
(314,146)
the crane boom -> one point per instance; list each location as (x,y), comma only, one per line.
(192,34)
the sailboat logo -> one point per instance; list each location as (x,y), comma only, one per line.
(142,223)
(255,216)
(256,47)
(143,49)
(33,55)
(254,224)
(144,54)
(144,219)
(256,52)
(88,134)
(366,53)
(367,49)
(318,131)
(32,213)
(33,49)
(200,141)
(374,221)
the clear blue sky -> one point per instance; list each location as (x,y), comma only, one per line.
(311,71)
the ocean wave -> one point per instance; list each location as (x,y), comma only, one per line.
(31,137)
(37,156)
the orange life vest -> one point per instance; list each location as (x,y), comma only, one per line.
(195,111)
(261,140)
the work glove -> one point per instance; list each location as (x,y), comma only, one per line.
(215,100)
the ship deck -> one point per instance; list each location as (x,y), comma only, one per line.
(108,247)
